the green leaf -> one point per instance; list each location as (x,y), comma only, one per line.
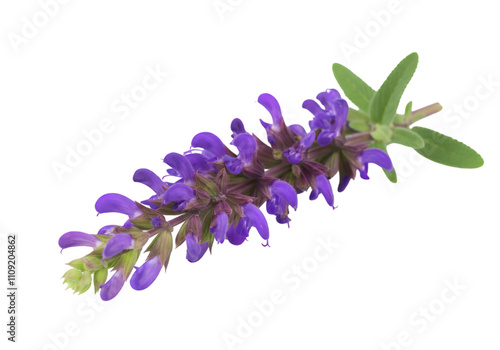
(382,133)
(354,88)
(355,115)
(408,138)
(446,150)
(384,103)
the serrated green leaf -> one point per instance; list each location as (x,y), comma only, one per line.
(384,103)
(446,150)
(408,138)
(354,88)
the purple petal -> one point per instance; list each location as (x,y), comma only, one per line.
(78,239)
(298,129)
(328,97)
(326,137)
(181,165)
(110,289)
(292,155)
(308,140)
(234,165)
(343,183)
(377,156)
(150,179)
(200,163)
(325,188)
(284,191)
(106,230)
(220,228)
(234,238)
(271,104)
(247,145)
(209,142)
(256,219)
(117,203)
(180,193)
(146,274)
(194,251)
(237,127)
(312,106)
(117,244)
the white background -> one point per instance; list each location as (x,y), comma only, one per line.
(397,243)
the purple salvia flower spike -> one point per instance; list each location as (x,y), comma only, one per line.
(117,203)
(210,143)
(150,179)
(110,289)
(182,165)
(78,239)
(117,244)
(146,274)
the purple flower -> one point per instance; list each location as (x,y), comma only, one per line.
(106,230)
(117,244)
(195,250)
(213,146)
(110,289)
(220,228)
(295,155)
(329,120)
(117,203)
(181,165)
(253,217)
(324,187)
(282,195)
(200,163)
(78,239)
(146,274)
(150,179)
(233,237)
(246,145)
(271,104)
(179,193)
(237,127)
(370,155)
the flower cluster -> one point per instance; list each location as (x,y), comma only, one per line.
(217,193)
